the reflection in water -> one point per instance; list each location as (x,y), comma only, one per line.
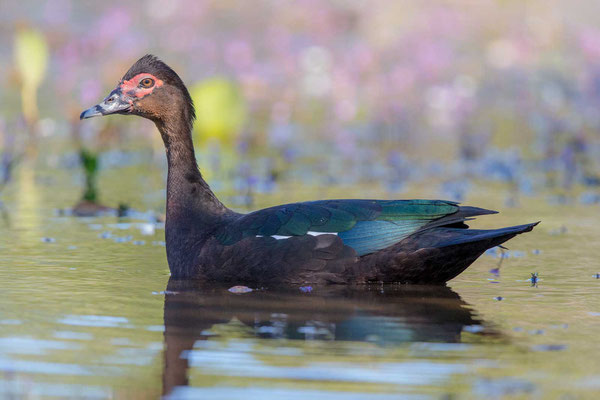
(386,315)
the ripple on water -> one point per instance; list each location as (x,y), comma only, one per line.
(8,365)
(104,321)
(497,388)
(70,335)
(24,389)
(230,361)
(27,345)
(257,393)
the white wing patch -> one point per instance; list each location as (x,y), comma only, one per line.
(278,237)
(312,233)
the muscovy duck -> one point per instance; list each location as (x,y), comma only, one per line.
(317,242)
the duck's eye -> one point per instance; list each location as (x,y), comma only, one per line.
(147,82)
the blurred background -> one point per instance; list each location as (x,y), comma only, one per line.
(438,96)
(492,103)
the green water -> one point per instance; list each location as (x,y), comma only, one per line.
(88,311)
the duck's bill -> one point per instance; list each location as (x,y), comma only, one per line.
(115,103)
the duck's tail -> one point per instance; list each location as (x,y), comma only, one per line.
(487,237)
(439,254)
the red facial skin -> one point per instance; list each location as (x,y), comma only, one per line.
(133,89)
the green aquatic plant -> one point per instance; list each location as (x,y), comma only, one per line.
(89,206)
(89,161)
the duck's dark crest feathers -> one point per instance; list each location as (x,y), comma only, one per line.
(153,65)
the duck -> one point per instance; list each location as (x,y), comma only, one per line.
(334,241)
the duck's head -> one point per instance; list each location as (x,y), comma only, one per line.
(150,89)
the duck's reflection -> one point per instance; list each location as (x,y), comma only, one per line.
(383,314)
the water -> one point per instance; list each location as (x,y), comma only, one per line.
(88,311)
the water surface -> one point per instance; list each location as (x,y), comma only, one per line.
(88,311)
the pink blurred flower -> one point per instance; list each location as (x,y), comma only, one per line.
(90,91)
(589,41)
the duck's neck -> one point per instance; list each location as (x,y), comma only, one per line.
(186,189)
(192,208)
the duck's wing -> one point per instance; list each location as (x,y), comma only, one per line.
(364,225)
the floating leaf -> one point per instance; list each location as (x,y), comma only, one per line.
(239,289)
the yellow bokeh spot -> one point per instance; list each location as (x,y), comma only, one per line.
(220,109)
(31,61)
